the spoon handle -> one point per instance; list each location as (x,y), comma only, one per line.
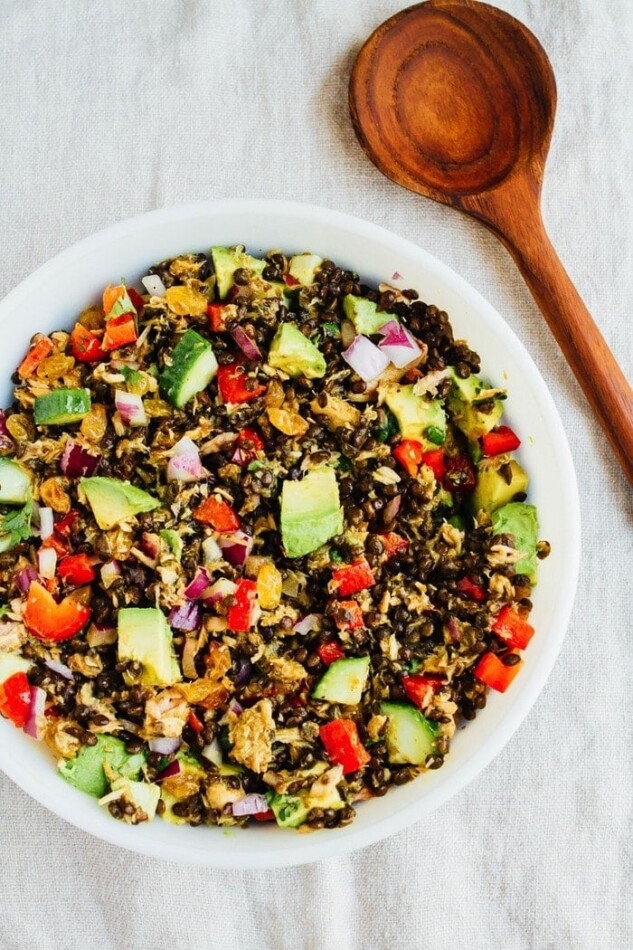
(521,228)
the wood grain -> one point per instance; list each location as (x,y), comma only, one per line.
(455,100)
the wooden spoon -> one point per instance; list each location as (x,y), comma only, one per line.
(455,100)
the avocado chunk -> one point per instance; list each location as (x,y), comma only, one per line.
(142,796)
(86,771)
(410,737)
(292,352)
(146,637)
(463,403)
(226,260)
(61,407)
(193,366)
(113,501)
(290,810)
(14,483)
(418,418)
(303,267)
(364,314)
(520,520)
(344,681)
(311,512)
(499,481)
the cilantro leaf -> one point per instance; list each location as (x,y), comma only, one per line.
(17,525)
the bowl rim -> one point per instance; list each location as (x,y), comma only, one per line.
(319,847)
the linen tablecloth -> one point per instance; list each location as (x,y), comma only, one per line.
(114,108)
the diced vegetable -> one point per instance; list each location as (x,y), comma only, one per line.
(236,386)
(499,440)
(410,454)
(330,651)
(38,352)
(86,347)
(48,620)
(193,365)
(420,688)
(15,698)
(494,673)
(61,407)
(76,569)
(77,462)
(398,344)
(242,614)
(342,743)
(471,590)
(348,615)
(366,358)
(513,628)
(344,681)
(120,331)
(410,737)
(217,513)
(460,474)
(352,578)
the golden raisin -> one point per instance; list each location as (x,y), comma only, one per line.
(94,425)
(275,395)
(54,496)
(157,408)
(55,367)
(21,428)
(290,423)
(184,301)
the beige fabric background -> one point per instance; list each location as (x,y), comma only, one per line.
(113,108)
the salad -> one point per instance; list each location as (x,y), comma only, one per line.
(264,544)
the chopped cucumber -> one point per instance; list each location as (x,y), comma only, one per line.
(193,366)
(61,407)
(410,737)
(344,681)
(14,483)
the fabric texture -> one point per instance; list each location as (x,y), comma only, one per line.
(112,108)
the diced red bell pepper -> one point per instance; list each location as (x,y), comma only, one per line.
(511,627)
(48,620)
(471,590)
(342,743)
(499,440)
(38,352)
(435,461)
(76,569)
(120,331)
(348,615)
(196,724)
(247,445)
(137,300)
(420,688)
(265,815)
(86,347)
(234,382)
(494,673)
(392,544)
(217,317)
(290,281)
(460,474)
(241,615)
(15,699)
(64,527)
(330,651)
(410,454)
(352,578)
(217,513)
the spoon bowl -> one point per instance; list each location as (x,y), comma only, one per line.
(455,100)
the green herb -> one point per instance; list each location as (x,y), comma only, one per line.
(344,464)
(4,610)
(457,522)
(17,524)
(330,329)
(254,466)
(389,427)
(336,556)
(435,435)
(132,377)
(412,666)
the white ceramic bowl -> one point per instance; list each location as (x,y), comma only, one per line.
(51,298)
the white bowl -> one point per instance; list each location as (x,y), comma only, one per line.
(52,297)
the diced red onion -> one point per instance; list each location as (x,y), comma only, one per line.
(46,523)
(37,702)
(253,804)
(391,509)
(25,578)
(184,446)
(131,408)
(248,346)
(398,344)
(174,768)
(164,745)
(243,673)
(185,468)
(110,572)
(47,559)
(60,668)
(154,285)
(222,588)
(307,624)
(211,551)
(187,617)
(236,547)
(235,707)
(198,585)
(6,442)
(396,276)
(77,462)
(213,753)
(366,358)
